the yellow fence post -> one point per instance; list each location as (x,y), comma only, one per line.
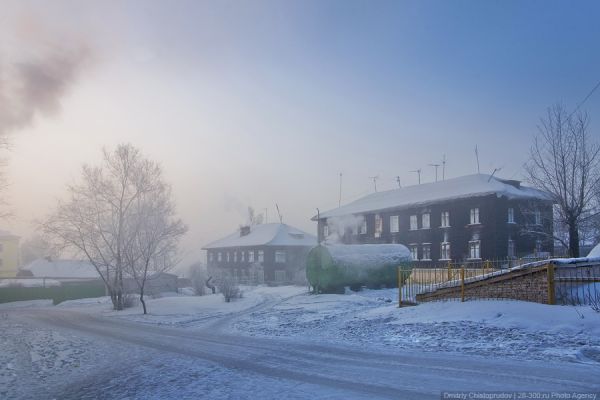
(462,284)
(550,271)
(399,287)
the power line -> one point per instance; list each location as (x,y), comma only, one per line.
(585,99)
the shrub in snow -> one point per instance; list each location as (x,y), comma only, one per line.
(198,278)
(229,288)
(129,300)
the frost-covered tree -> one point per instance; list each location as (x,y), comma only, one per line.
(119,216)
(565,162)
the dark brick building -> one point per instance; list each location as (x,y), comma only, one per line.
(472,217)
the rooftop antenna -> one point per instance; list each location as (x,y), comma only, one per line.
(444,168)
(398,180)
(278,213)
(418,171)
(340,198)
(374,180)
(266,215)
(493,172)
(436,170)
(477,158)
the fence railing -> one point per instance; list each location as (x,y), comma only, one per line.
(554,282)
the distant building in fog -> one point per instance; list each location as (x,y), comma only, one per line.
(271,253)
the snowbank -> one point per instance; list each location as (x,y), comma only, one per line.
(29,282)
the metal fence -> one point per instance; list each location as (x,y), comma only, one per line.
(574,283)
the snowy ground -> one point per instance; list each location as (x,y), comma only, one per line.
(489,328)
(283,340)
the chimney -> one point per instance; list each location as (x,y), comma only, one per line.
(244,230)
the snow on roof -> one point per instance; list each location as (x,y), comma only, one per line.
(595,251)
(266,235)
(43,268)
(428,193)
(366,255)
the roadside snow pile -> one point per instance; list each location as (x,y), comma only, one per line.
(180,310)
(27,304)
(506,328)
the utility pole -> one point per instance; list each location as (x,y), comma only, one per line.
(398,181)
(418,171)
(340,198)
(374,181)
(436,170)
(477,158)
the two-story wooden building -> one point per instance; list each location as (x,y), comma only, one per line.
(472,217)
(269,253)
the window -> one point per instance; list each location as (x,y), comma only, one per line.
(394,224)
(378,225)
(280,256)
(251,256)
(414,252)
(280,276)
(474,249)
(537,217)
(538,247)
(363,227)
(413,223)
(425,218)
(211,256)
(227,256)
(445,219)
(261,256)
(474,216)
(219,256)
(426,256)
(445,251)
(511,215)
(235,258)
(325,230)
(243,256)
(511,248)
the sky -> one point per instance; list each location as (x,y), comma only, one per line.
(258,103)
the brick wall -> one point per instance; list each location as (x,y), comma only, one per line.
(529,284)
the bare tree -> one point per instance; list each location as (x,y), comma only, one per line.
(155,232)
(101,218)
(565,162)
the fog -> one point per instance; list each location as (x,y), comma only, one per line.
(257,104)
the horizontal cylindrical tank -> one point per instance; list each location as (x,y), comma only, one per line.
(330,268)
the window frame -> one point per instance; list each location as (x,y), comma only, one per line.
(474,216)
(445,251)
(394,223)
(428,219)
(475,250)
(280,256)
(511,215)
(445,219)
(414,222)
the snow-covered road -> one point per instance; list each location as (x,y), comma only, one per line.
(126,359)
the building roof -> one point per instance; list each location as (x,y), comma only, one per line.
(43,268)
(429,193)
(266,235)
(7,235)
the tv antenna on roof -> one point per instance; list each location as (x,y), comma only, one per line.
(477,158)
(444,168)
(436,170)
(493,172)
(340,198)
(418,171)
(278,213)
(374,178)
